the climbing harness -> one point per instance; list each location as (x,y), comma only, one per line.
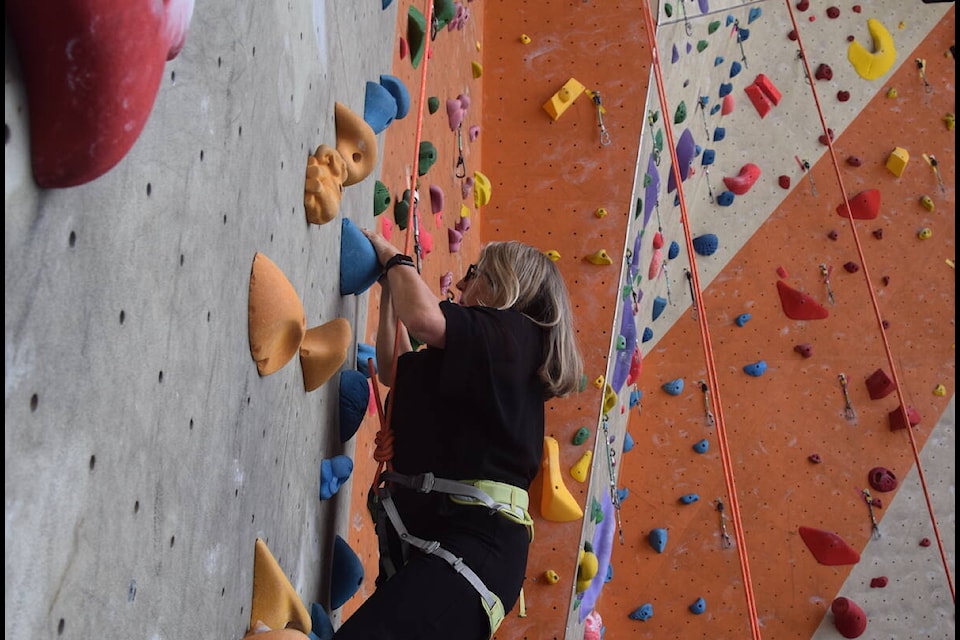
(693,298)
(460,169)
(848,411)
(935,165)
(509,501)
(614,494)
(725,540)
(873,517)
(922,68)
(805,168)
(825,272)
(604,135)
(706,403)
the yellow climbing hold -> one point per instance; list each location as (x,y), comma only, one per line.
(588,567)
(598,382)
(892,93)
(464,211)
(600,213)
(927,203)
(950,120)
(478,45)
(872,65)
(581,469)
(925,234)
(553,254)
(551,576)
(609,398)
(940,390)
(557,503)
(897,161)
(600,257)
(563,98)
(481,189)
(477,69)
(525,39)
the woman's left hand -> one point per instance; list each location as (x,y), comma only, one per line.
(384,248)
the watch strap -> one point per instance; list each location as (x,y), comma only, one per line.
(399,258)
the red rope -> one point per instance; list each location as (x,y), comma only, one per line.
(876,309)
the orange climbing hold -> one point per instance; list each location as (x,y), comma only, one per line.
(557,503)
(275,320)
(275,602)
(863,206)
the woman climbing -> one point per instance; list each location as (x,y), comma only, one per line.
(466,416)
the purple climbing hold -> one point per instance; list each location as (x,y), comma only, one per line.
(673,387)
(685,153)
(675,55)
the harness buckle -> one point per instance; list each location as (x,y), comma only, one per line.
(424,482)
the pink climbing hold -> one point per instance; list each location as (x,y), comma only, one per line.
(848,618)
(454,240)
(426,242)
(798,305)
(436,199)
(782,272)
(726,107)
(463,224)
(863,206)
(455,113)
(404,48)
(656,264)
(741,183)
(466,187)
(784,182)
(828,548)
(833,234)
(473,133)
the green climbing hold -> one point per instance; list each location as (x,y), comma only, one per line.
(428,155)
(639,209)
(433,104)
(667,9)
(681,113)
(658,140)
(381,198)
(443,12)
(701,46)
(401,210)
(596,511)
(647,179)
(713,26)
(581,436)
(416,35)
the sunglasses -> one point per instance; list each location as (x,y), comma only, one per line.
(471,273)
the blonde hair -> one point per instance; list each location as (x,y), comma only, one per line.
(523,279)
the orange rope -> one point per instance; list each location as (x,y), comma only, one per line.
(383,453)
(706,341)
(876,308)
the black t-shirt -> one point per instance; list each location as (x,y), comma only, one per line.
(474,409)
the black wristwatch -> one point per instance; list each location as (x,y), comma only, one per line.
(399,258)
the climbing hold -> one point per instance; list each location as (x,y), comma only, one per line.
(854,161)
(635,394)
(718,61)
(426,157)
(792,35)
(433,104)
(879,582)
(563,98)
(600,212)
(727,105)
(674,54)
(658,539)
(673,250)
(681,113)
(851,267)
(833,12)
(322,628)
(743,181)
(706,244)
(525,39)
(581,436)
(659,304)
(399,92)
(879,385)
(798,305)
(690,498)
(551,576)
(892,92)
(940,390)
(466,187)
(366,352)
(644,612)
(702,446)
(843,96)
(600,257)
(476,69)
(708,157)
(896,418)
(848,617)
(481,190)
(753,15)
(333,473)
(763,94)
(657,240)
(275,319)
(381,198)
(627,442)
(826,138)
(275,602)
(719,134)
(647,335)
(359,266)
(701,45)
(871,66)
(713,26)
(927,203)
(925,233)
(379,106)
(609,398)
(878,234)
(356,142)
(863,206)
(553,254)
(416,35)
(755,369)
(805,349)
(323,184)
(455,113)
(782,273)
(581,468)
(823,72)
(673,387)
(925,542)
(950,120)
(882,479)
(354,398)
(322,351)
(742,319)
(557,503)
(699,606)
(814,458)
(784,182)
(828,548)
(725,89)
(401,210)
(346,573)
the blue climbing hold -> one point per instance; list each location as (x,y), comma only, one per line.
(743,319)
(609,573)
(659,304)
(676,200)
(756,369)
(702,447)
(699,606)
(658,539)
(714,109)
(708,157)
(707,244)
(359,265)
(644,612)
(354,399)
(674,250)
(628,441)
(346,574)
(647,335)
(333,473)
(697,150)
(623,494)
(673,387)
(719,134)
(379,107)
(725,199)
(365,352)
(718,61)
(690,498)
(725,88)
(730,20)
(742,34)
(320,621)
(635,397)
(735,68)
(754,14)
(399,92)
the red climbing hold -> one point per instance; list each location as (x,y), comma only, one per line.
(824,137)
(803,5)
(741,183)
(925,542)
(814,458)
(848,618)
(880,582)
(854,161)
(658,240)
(843,96)
(833,234)
(863,206)
(792,35)
(879,385)
(828,548)
(784,182)
(851,267)
(798,305)
(878,234)
(833,13)
(896,418)
(882,479)
(805,349)
(823,72)
(857,8)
